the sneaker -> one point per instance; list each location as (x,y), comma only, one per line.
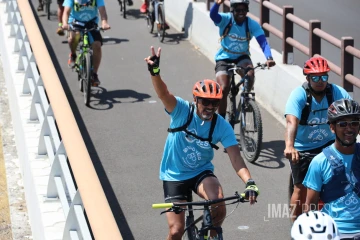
(71,61)
(143,8)
(60,31)
(130,2)
(40,7)
(95,80)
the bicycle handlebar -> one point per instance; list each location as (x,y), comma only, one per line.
(239,198)
(246,69)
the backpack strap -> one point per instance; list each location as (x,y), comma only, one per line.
(212,127)
(226,29)
(307,109)
(184,127)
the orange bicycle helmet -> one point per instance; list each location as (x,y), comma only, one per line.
(316,65)
(207,89)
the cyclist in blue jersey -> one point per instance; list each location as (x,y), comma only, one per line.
(85,12)
(195,129)
(306,127)
(236,31)
(334,174)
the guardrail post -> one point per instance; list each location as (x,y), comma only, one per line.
(264,16)
(208,3)
(314,40)
(288,31)
(347,63)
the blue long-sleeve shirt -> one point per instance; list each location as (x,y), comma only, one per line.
(222,19)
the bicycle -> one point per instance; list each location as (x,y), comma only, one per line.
(122,4)
(250,124)
(157,16)
(83,64)
(191,231)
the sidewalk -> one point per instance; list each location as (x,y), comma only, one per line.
(14,221)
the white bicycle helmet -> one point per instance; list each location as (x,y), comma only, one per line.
(314,225)
(232,2)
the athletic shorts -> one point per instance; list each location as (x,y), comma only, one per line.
(60,2)
(175,191)
(94,35)
(299,169)
(220,69)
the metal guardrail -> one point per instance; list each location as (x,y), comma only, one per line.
(33,56)
(346,44)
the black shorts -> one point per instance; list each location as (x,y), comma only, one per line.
(299,170)
(95,35)
(60,2)
(220,69)
(182,190)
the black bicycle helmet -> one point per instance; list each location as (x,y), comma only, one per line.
(343,108)
(234,2)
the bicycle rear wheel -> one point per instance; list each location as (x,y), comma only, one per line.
(161,22)
(47,7)
(86,80)
(250,131)
(150,16)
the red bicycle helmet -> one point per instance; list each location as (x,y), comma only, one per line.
(316,65)
(207,89)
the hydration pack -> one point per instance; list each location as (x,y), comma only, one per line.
(189,119)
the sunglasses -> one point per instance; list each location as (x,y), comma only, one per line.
(206,102)
(324,78)
(344,124)
(240,10)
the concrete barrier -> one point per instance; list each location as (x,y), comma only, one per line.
(272,86)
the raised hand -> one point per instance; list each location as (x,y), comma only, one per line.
(153,62)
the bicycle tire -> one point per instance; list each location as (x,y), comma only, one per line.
(161,22)
(87,78)
(231,107)
(79,72)
(150,21)
(190,233)
(47,7)
(124,8)
(257,127)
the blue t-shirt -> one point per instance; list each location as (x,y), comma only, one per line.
(85,13)
(236,40)
(311,137)
(184,156)
(345,210)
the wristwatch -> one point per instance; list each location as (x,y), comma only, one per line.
(250,182)
(270,58)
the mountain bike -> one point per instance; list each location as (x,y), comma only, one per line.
(83,64)
(247,113)
(122,4)
(191,231)
(157,16)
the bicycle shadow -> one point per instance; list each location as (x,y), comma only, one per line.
(133,14)
(272,155)
(101,99)
(173,38)
(107,41)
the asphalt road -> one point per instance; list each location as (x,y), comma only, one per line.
(125,127)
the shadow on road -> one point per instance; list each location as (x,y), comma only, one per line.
(271,155)
(101,99)
(106,185)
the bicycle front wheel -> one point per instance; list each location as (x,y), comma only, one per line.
(161,22)
(86,80)
(190,233)
(251,131)
(150,21)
